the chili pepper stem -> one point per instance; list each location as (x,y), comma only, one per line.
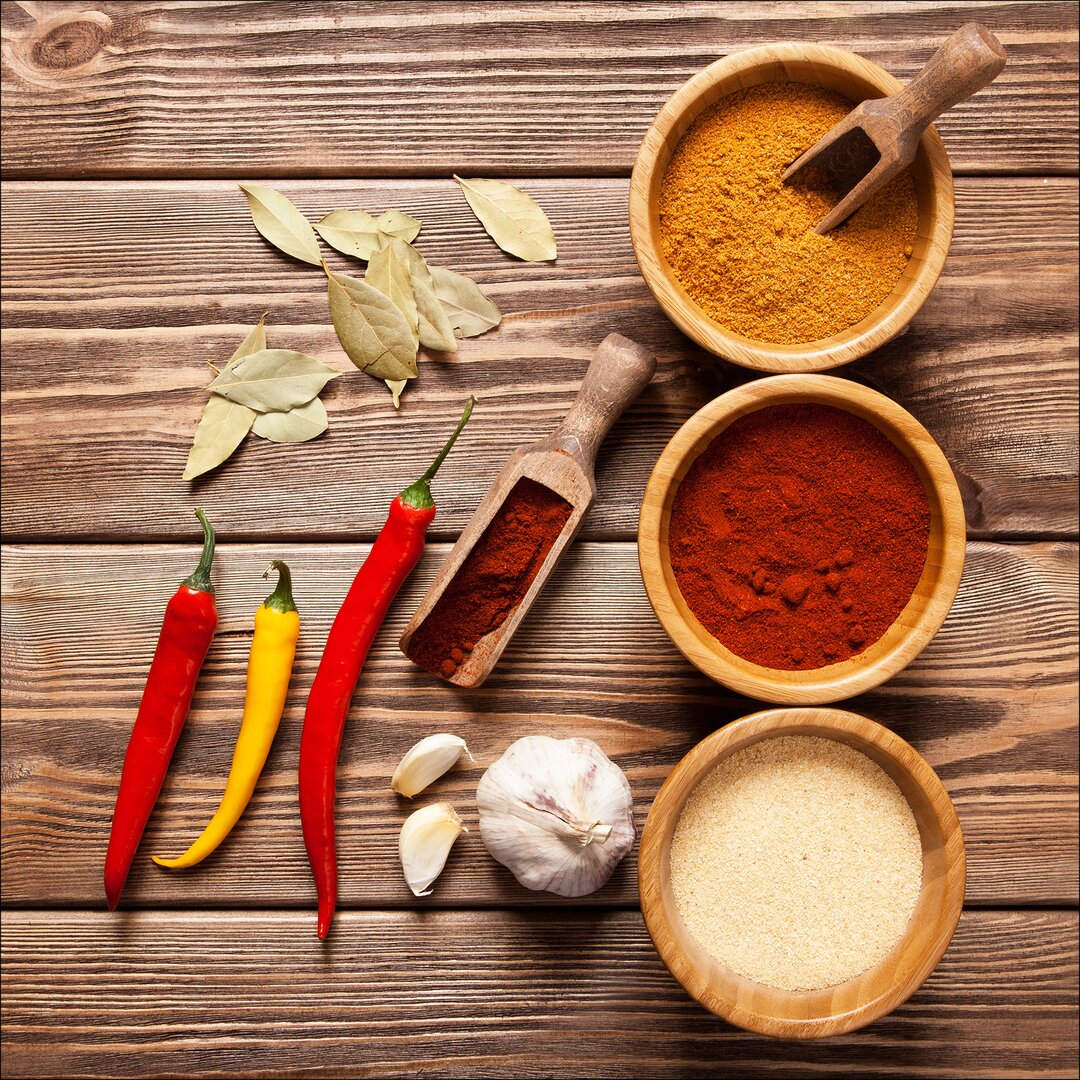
(281,599)
(418,495)
(200,580)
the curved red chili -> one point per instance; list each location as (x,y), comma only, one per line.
(396,551)
(186,632)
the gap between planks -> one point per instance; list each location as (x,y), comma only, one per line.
(434,536)
(500,170)
(583,910)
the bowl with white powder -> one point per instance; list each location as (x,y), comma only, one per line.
(802,872)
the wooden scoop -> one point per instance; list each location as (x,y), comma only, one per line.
(564,462)
(879,137)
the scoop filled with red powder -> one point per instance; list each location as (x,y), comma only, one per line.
(494,578)
(799,535)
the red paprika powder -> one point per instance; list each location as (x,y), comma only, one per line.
(494,578)
(799,535)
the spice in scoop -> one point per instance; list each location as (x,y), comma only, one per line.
(799,535)
(493,580)
(797,863)
(742,243)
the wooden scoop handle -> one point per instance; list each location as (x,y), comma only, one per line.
(969,59)
(619,370)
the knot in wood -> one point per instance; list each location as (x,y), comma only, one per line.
(73,43)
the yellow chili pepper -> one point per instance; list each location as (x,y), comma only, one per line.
(277,626)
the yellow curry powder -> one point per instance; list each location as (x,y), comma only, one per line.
(743,244)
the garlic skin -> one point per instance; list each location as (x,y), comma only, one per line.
(425,842)
(557,813)
(426,762)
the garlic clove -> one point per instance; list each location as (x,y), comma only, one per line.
(558,814)
(426,762)
(425,842)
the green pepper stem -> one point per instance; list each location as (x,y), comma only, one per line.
(201,578)
(418,495)
(281,599)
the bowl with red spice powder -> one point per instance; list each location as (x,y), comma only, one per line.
(802,539)
(729,250)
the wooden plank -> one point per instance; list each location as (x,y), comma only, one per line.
(469,993)
(991,704)
(115,304)
(376,89)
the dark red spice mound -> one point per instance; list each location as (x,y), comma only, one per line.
(799,535)
(493,580)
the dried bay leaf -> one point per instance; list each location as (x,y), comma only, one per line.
(273,380)
(434,327)
(356,233)
(281,223)
(223,424)
(253,343)
(371,329)
(513,220)
(222,428)
(297,425)
(388,271)
(352,232)
(435,330)
(396,387)
(395,223)
(469,311)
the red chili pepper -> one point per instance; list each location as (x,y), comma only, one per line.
(396,551)
(186,632)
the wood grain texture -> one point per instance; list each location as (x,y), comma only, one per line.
(484,994)
(116,293)
(113,306)
(338,89)
(991,704)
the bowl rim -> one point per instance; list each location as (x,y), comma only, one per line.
(915,625)
(880,325)
(842,725)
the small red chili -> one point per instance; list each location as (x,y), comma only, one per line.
(396,550)
(186,632)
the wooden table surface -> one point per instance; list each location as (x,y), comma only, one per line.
(129,261)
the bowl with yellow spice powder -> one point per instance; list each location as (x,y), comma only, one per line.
(802,872)
(730,251)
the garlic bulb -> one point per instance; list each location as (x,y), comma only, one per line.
(425,842)
(557,813)
(426,762)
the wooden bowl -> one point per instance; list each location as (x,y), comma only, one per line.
(916,624)
(855,78)
(809,1014)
